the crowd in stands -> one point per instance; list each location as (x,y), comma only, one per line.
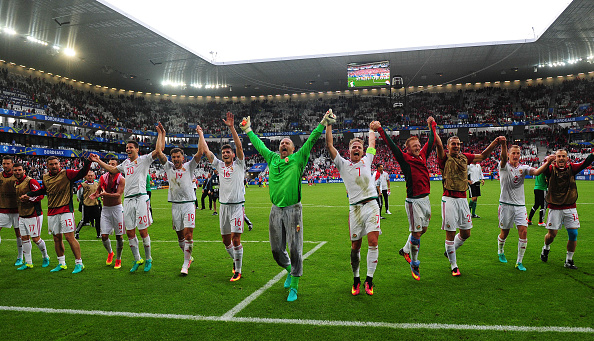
(498,105)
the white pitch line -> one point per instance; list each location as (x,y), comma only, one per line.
(195,241)
(239,307)
(324,323)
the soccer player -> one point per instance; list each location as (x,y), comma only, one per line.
(540,189)
(182,196)
(561,198)
(286,222)
(136,201)
(455,213)
(413,164)
(57,186)
(512,206)
(232,194)
(383,179)
(363,209)
(9,212)
(475,181)
(30,217)
(91,208)
(111,187)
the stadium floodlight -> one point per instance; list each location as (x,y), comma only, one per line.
(69,52)
(9,30)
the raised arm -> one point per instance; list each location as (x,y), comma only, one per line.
(485,154)
(428,147)
(245,125)
(160,144)
(202,146)
(503,161)
(438,145)
(330,143)
(230,122)
(376,125)
(371,137)
(548,160)
(328,119)
(107,167)
(580,166)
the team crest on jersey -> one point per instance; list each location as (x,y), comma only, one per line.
(136,161)
(183,169)
(448,225)
(286,160)
(418,227)
(354,235)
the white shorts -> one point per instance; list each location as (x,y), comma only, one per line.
(61,223)
(112,220)
(418,212)
(363,219)
(8,220)
(137,213)
(567,217)
(31,226)
(231,218)
(455,213)
(184,216)
(511,215)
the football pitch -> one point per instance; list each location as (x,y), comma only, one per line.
(489,301)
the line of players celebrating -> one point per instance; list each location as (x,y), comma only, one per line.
(20,198)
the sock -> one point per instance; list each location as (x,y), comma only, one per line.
(62,260)
(182,244)
(415,245)
(134,247)
(41,246)
(107,245)
(146,242)
(474,208)
(369,279)
(27,251)
(355,261)
(372,255)
(569,256)
(20,248)
(500,245)
(451,252)
(229,249)
(406,247)
(295,282)
(288,268)
(78,261)
(521,249)
(458,241)
(119,248)
(546,246)
(188,248)
(238,257)
(541,215)
(532,211)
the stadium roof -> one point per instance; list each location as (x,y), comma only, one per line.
(115,51)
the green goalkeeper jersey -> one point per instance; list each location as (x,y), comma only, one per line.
(284,174)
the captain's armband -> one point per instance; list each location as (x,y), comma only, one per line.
(370,150)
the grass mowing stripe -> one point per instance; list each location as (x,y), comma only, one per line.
(260,291)
(306,322)
(195,241)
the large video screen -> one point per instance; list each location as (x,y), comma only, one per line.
(368,74)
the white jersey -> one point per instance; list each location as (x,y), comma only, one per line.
(180,182)
(512,183)
(231,189)
(135,172)
(357,178)
(383,181)
(475,173)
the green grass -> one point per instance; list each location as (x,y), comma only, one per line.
(488,292)
(368,82)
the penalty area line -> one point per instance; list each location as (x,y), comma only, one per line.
(231,313)
(321,323)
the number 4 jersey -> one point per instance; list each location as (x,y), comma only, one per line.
(231,179)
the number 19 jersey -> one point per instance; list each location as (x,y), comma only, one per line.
(180,182)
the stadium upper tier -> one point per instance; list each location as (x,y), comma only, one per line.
(496,105)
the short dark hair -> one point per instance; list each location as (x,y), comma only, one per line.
(53,157)
(177,150)
(133,142)
(226,146)
(114,159)
(18,164)
(8,157)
